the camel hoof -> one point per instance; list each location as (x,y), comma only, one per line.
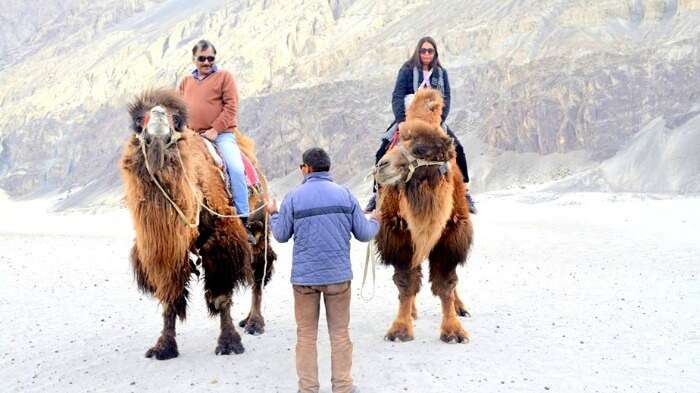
(165,348)
(229,343)
(460,337)
(254,326)
(400,333)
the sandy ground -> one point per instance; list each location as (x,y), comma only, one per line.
(569,293)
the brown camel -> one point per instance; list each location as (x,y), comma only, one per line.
(169,176)
(424,215)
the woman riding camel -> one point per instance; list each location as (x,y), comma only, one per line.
(422,70)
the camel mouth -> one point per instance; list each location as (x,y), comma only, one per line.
(388,176)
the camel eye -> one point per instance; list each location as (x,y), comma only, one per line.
(420,151)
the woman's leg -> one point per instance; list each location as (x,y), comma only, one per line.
(462,164)
(461,158)
(231,154)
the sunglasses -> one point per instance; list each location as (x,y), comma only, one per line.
(202,59)
(301,166)
(429,51)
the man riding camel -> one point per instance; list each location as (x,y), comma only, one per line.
(212,103)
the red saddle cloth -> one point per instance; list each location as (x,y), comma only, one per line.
(251,175)
(394,139)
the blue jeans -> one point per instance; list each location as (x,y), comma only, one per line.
(231,154)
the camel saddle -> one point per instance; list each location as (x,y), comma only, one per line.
(251,175)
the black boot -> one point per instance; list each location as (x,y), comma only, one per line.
(371,204)
(471,204)
(251,237)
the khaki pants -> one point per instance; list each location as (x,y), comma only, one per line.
(336,298)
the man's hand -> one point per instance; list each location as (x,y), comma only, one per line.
(271,207)
(210,134)
(377,215)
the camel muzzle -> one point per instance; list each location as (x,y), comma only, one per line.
(158,124)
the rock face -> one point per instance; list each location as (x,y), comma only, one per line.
(529,78)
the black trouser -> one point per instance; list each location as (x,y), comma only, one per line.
(461,158)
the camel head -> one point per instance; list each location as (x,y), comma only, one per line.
(424,152)
(158,119)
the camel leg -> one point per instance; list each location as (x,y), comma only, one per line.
(166,346)
(460,308)
(408,282)
(229,339)
(254,323)
(443,285)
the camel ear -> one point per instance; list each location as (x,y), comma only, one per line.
(136,111)
(179,121)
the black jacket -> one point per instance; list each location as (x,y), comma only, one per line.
(404,87)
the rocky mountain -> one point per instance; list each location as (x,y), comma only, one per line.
(542,90)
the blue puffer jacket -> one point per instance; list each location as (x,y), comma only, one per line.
(321,215)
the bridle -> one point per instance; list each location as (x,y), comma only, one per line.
(415,163)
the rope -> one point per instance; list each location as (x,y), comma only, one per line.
(179,211)
(267,235)
(369,256)
(204,205)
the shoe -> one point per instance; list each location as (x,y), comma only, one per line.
(371,204)
(251,238)
(471,204)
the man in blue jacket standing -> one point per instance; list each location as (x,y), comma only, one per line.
(321,215)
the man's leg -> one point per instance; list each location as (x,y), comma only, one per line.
(336,299)
(306,309)
(231,154)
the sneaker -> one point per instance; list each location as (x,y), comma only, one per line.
(372,204)
(472,205)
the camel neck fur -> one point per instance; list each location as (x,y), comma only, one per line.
(426,206)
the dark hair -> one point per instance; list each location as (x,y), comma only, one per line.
(414,60)
(203,45)
(317,159)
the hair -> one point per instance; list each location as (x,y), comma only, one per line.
(202,45)
(317,159)
(414,60)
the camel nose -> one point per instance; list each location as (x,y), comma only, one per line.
(158,122)
(381,165)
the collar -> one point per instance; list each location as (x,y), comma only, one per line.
(317,176)
(195,73)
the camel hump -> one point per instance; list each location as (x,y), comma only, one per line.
(427,105)
(431,98)
(413,127)
(247,145)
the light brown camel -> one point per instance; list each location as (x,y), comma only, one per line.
(169,175)
(424,215)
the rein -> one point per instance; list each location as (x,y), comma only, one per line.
(179,211)
(200,202)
